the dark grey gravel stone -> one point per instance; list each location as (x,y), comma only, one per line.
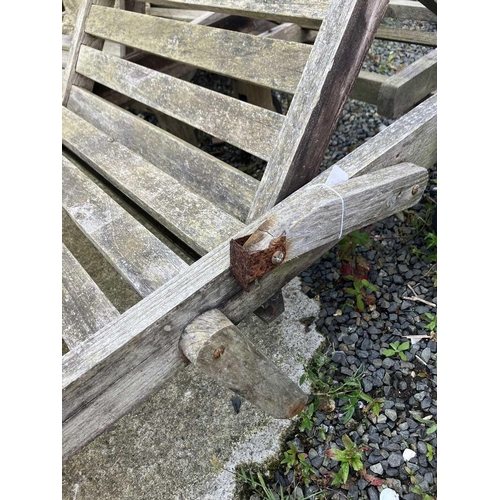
(391,414)
(395,460)
(372,493)
(426,355)
(367,384)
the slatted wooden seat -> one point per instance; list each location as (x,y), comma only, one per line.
(393,95)
(205,205)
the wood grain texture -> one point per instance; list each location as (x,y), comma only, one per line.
(412,138)
(270,63)
(190,217)
(91,372)
(176,14)
(402,91)
(303,12)
(85,309)
(220,350)
(430,4)
(367,86)
(137,255)
(417,37)
(409,9)
(64,59)
(66,41)
(225,186)
(71,77)
(328,78)
(248,127)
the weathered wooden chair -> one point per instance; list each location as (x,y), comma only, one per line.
(253,236)
(393,95)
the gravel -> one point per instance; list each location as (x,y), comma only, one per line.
(400,264)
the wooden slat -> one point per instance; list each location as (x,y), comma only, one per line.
(71,77)
(246,126)
(152,328)
(85,309)
(65,56)
(402,91)
(333,66)
(431,5)
(270,63)
(306,13)
(190,217)
(412,138)
(409,9)
(225,186)
(367,86)
(139,256)
(177,14)
(66,41)
(408,36)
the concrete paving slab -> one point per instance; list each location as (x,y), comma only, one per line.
(184,442)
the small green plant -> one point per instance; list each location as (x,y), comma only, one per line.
(293,458)
(416,488)
(430,452)
(350,457)
(397,348)
(374,404)
(431,322)
(359,291)
(427,421)
(325,389)
(431,239)
(259,486)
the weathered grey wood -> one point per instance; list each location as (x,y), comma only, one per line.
(190,217)
(286,31)
(412,138)
(246,126)
(329,75)
(408,36)
(141,258)
(65,56)
(220,350)
(66,41)
(430,4)
(176,14)
(267,62)
(402,91)
(303,12)
(158,320)
(367,86)
(409,9)
(225,186)
(71,77)
(85,309)
(71,8)
(306,13)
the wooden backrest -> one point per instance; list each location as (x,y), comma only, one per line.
(320,77)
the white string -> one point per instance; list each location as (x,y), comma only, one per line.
(342,218)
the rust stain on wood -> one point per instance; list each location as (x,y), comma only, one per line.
(246,267)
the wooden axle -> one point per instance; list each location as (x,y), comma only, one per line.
(217,347)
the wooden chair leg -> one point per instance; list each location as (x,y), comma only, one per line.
(217,347)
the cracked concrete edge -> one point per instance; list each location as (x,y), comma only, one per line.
(186,441)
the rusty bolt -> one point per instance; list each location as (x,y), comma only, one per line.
(415,189)
(277,258)
(219,351)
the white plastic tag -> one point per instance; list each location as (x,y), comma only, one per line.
(337,175)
